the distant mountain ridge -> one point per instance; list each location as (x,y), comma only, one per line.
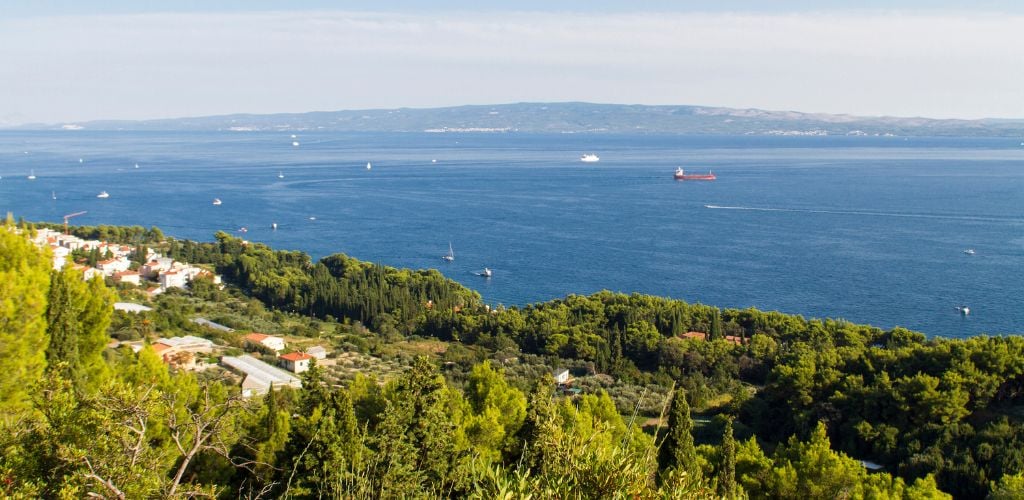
(572,117)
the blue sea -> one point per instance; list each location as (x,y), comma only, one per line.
(869,229)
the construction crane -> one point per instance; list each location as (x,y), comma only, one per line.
(68,216)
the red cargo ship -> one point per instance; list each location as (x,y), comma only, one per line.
(682,176)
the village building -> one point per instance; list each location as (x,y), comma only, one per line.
(131,277)
(264,341)
(110,266)
(318,352)
(296,362)
(561,376)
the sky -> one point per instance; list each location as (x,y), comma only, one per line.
(64,61)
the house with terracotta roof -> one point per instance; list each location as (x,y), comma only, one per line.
(264,341)
(132,277)
(296,362)
(695,335)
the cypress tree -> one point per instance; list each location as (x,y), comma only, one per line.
(716,326)
(727,468)
(677,450)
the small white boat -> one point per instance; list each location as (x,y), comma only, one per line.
(969,251)
(486,273)
(243,230)
(136,165)
(295,143)
(216,201)
(53,195)
(294,136)
(368,166)
(964,310)
(312,218)
(103,194)
(80,160)
(590,158)
(280,175)
(433,161)
(31,175)
(451,253)
(273,226)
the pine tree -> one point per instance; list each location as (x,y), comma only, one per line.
(78,316)
(62,327)
(24,284)
(677,450)
(727,467)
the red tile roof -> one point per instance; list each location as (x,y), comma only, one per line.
(257,337)
(296,356)
(695,335)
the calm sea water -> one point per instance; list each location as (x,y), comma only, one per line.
(872,230)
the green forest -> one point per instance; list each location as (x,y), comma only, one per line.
(769,405)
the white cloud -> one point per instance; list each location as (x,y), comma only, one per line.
(163,65)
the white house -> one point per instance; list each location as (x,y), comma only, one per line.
(296,362)
(60,256)
(173,279)
(561,376)
(111,266)
(127,277)
(259,340)
(88,273)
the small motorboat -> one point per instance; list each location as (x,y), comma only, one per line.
(964,310)
(216,201)
(273,226)
(969,251)
(486,273)
(295,143)
(103,194)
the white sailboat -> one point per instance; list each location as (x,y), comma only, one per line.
(486,273)
(280,175)
(53,195)
(451,253)
(31,175)
(368,166)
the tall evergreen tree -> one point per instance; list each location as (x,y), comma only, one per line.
(62,326)
(24,283)
(677,450)
(727,467)
(716,325)
(78,316)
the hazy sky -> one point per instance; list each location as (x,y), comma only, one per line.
(64,61)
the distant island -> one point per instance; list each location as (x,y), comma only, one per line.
(571,118)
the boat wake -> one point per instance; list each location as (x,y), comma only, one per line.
(872,214)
